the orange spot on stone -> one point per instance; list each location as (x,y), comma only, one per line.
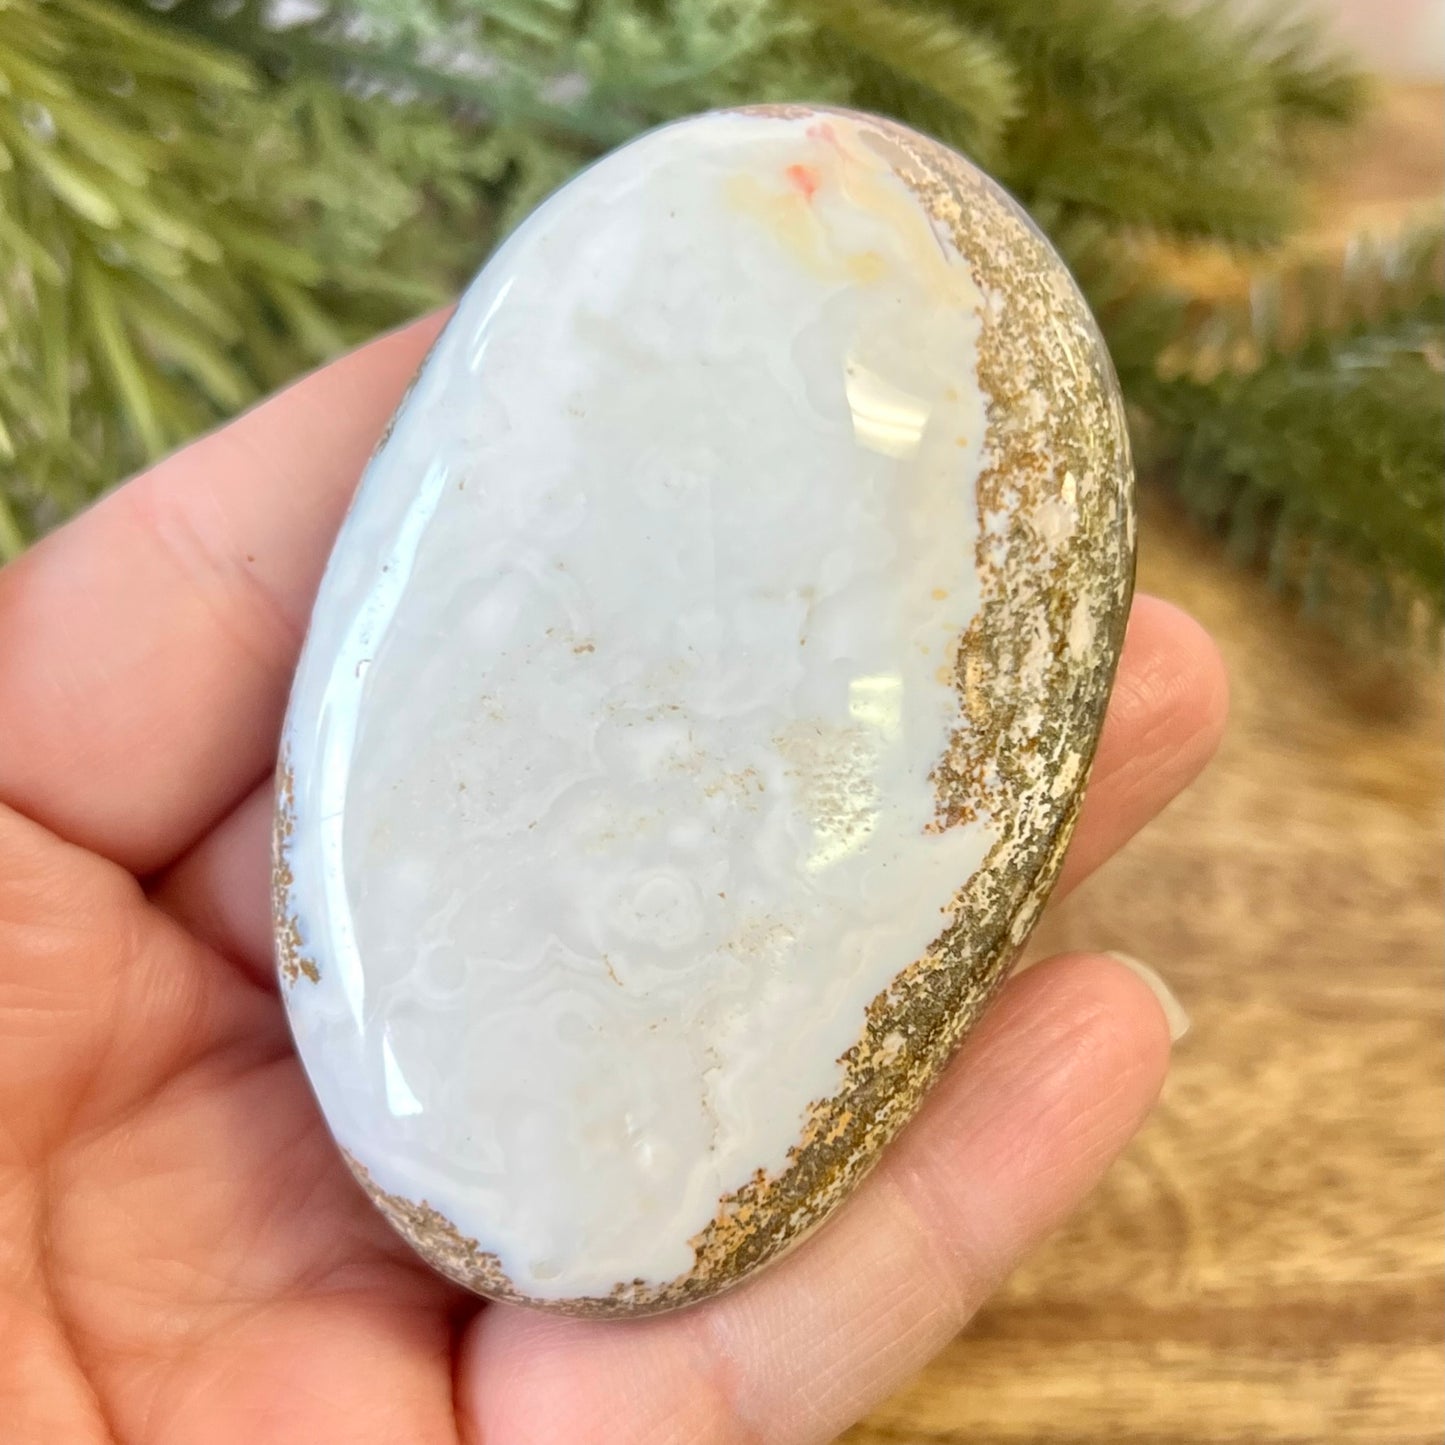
(939,593)
(804,179)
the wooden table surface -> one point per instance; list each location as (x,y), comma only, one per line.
(1265,1264)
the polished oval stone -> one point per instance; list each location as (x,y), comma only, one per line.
(697,704)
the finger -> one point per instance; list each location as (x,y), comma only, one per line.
(1040,1101)
(149,644)
(103,1000)
(1164,721)
(221,889)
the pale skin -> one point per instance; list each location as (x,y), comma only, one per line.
(184,1259)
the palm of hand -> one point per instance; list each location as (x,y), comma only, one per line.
(184,1260)
(204,1272)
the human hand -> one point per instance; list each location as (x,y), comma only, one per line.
(184,1259)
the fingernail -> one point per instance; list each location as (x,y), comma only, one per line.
(1173,1010)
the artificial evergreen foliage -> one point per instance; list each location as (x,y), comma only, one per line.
(202,197)
(178,236)
(1308,428)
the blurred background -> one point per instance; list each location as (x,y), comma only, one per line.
(201,198)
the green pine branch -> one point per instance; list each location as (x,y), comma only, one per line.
(1311,83)
(673,59)
(1197,72)
(954,80)
(179,236)
(213,205)
(1143,181)
(460,62)
(1309,430)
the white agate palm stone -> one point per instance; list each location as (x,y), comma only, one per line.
(697,704)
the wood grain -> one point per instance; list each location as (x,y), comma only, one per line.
(1265,1264)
